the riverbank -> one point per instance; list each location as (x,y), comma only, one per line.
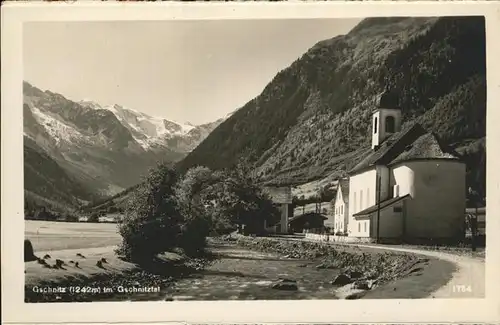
(379,274)
(90,270)
(98,274)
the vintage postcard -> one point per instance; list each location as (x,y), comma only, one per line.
(199,163)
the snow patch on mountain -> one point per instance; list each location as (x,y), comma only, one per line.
(90,104)
(26,134)
(146,130)
(57,129)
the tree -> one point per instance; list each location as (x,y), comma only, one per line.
(152,222)
(474,199)
(112,209)
(43,214)
(241,201)
(94,217)
(327,193)
(192,197)
(69,217)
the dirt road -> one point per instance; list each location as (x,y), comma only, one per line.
(468,281)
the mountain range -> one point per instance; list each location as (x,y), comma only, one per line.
(76,152)
(313,119)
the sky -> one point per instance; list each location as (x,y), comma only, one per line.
(185,71)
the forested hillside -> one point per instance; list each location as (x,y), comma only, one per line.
(313,118)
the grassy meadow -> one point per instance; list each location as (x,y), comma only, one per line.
(54,236)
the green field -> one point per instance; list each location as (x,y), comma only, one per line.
(53,236)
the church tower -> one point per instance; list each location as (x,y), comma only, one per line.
(386,119)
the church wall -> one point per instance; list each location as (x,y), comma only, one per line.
(359,186)
(437,206)
(391,222)
(385,185)
(403,176)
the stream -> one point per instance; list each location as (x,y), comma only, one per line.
(242,274)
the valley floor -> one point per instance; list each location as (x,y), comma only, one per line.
(240,273)
(52,236)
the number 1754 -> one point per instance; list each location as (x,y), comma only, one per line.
(462,288)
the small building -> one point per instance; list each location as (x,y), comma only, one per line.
(282,198)
(312,221)
(409,186)
(341,207)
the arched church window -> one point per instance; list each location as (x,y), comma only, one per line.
(390,124)
(375,122)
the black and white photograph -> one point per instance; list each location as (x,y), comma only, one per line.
(273,159)
(215,160)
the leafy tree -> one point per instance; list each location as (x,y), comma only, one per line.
(152,222)
(327,193)
(44,214)
(112,209)
(192,202)
(242,201)
(71,218)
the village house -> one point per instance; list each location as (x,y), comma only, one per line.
(341,207)
(408,186)
(307,222)
(282,198)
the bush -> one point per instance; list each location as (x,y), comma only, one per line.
(29,254)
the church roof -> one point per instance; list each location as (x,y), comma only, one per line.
(425,147)
(411,143)
(308,215)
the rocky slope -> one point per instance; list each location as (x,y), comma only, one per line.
(313,118)
(77,151)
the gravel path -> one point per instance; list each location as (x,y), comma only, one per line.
(467,282)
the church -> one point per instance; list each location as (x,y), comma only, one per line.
(408,186)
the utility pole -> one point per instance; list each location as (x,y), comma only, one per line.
(379,183)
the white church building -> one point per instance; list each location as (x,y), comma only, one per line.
(408,186)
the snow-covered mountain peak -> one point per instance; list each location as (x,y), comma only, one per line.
(96,146)
(150,132)
(90,104)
